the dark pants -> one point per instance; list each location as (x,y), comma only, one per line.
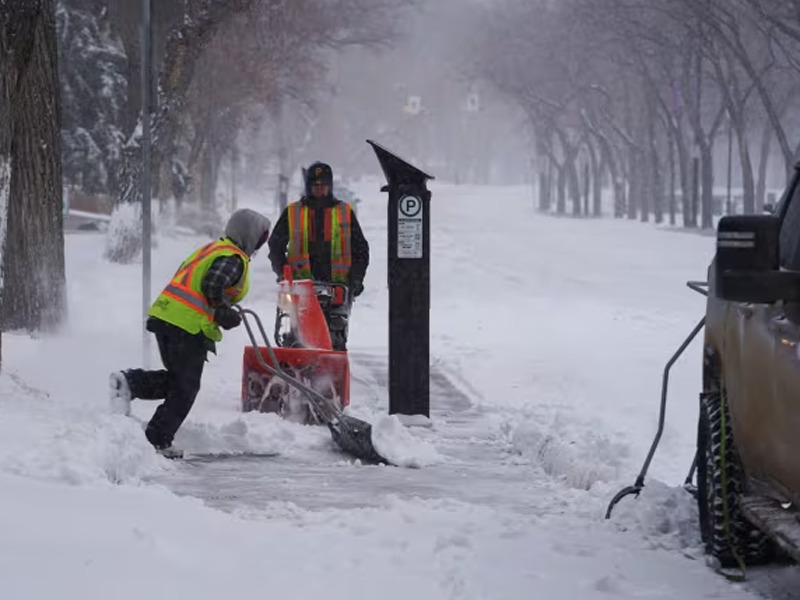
(184,356)
(337,326)
(338,319)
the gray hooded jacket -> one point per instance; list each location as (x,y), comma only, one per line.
(246,228)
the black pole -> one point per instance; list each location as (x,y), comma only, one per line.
(409,284)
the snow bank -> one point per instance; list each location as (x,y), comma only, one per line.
(580,460)
(41,437)
(125,543)
(214,432)
(666,517)
(398,444)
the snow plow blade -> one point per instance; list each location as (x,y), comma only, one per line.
(352,435)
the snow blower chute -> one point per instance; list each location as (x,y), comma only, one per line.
(304,379)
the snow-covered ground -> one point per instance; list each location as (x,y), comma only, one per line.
(549,337)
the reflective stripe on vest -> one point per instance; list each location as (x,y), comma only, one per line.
(298,257)
(186,270)
(180,288)
(182,302)
(338,230)
(341,245)
(190,298)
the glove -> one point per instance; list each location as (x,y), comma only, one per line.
(226,317)
(356,287)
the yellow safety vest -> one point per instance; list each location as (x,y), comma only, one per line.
(182,302)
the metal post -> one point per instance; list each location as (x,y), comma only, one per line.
(145,181)
(283,157)
(409,285)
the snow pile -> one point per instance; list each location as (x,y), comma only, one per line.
(579,462)
(397,443)
(666,516)
(42,438)
(248,433)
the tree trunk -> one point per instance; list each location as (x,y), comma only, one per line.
(656,188)
(767,101)
(30,169)
(548,190)
(597,182)
(569,172)
(587,185)
(635,181)
(207,181)
(672,169)
(707,198)
(686,172)
(690,220)
(763,163)
(748,182)
(544,193)
(617,183)
(184,46)
(646,189)
(573,182)
(658,185)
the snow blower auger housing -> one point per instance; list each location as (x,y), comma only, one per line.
(309,314)
(352,435)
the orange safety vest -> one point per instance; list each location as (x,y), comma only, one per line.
(338,231)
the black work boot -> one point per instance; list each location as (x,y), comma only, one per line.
(162,446)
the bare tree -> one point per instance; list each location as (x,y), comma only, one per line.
(651,81)
(313,23)
(32,278)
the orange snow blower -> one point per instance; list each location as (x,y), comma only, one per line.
(304,350)
(305,379)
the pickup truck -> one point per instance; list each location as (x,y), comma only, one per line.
(748,441)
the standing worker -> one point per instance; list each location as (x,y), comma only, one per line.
(320,238)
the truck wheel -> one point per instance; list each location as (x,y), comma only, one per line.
(738,538)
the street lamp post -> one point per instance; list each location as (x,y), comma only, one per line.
(145,180)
